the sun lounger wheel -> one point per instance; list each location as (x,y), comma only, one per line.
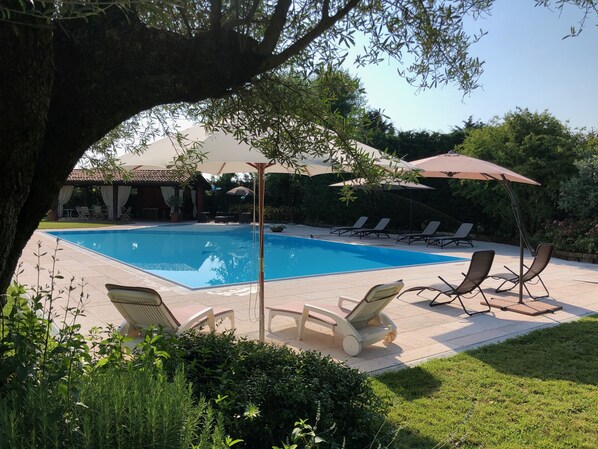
(391,336)
(351,345)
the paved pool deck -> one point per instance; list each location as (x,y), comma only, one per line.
(423,332)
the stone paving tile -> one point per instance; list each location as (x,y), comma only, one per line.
(423,332)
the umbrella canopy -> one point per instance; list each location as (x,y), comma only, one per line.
(458,166)
(384,160)
(391,185)
(240,191)
(223,154)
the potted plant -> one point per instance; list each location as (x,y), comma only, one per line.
(277,228)
(175,203)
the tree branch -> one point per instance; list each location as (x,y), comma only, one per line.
(275,27)
(215,15)
(325,9)
(303,42)
(248,19)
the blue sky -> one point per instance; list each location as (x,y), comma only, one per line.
(528,65)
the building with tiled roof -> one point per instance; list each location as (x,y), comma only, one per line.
(145,194)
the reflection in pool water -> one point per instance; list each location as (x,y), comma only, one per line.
(202,256)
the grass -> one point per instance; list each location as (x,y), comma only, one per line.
(71,224)
(535,391)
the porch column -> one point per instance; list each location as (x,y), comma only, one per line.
(200,196)
(115,211)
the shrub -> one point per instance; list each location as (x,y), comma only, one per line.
(579,194)
(282,213)
(277,228)
(572,235)
(264,389)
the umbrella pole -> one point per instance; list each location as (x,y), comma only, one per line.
(260,173)
(410,212)
(538,307)
(517,212)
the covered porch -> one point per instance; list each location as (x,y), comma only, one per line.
(142,195)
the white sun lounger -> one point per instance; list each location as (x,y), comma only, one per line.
(360,324)
(143,307)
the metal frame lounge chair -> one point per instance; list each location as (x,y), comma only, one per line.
(479,267)
(83,212)
(340,230)
(360,325)
(126,215)
(378,230)
(461,235)
(96,212)
(543,256)
(428,232)
(142,307)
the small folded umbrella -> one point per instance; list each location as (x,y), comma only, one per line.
(240,191)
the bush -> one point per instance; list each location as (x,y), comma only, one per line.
(572,235)
(579,194)
(264,389)
(282,213)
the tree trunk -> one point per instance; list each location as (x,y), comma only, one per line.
(26,77)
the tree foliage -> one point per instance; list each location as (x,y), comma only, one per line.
(579,194)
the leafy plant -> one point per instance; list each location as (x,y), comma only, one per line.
(175,202)
(33,348)
(303,436)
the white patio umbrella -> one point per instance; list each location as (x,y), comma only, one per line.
(361,183)
(385,185)
(458,166)
(226,154)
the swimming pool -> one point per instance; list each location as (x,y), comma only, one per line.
(205,256)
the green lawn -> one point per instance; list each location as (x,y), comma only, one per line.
(71,224)
(536,391)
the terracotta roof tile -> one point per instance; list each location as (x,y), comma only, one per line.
(135,177)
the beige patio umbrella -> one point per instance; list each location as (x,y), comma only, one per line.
(226,154)
(457,166)
(360,183)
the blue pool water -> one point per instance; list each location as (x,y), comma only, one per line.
(203,256)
